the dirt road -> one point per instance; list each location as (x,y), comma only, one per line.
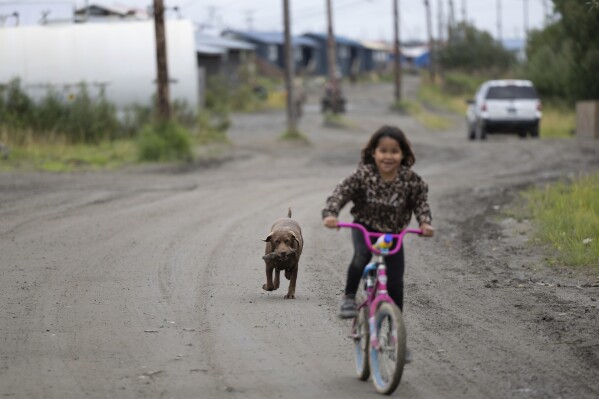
(147,282)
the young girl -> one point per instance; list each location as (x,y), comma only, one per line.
(385,192)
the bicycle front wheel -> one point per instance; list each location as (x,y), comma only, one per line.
(361,337)
(388,359)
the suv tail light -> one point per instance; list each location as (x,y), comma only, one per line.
(539,106)
(483,107)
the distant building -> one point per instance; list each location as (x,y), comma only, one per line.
(100,12)
(375,56)
(415,56)
(270,48)
(222,57)
(348,55)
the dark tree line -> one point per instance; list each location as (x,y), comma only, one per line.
(564,57)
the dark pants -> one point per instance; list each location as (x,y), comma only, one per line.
(362,256)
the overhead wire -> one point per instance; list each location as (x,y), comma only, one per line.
(317,10)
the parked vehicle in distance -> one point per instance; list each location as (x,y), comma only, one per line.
(504,106)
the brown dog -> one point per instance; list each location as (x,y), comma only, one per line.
(283,249)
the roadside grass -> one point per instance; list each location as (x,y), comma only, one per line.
(557,121)
(427,118)
(332,119)
(55,153)
(64,157)
(295,135)
(434,95)
(566,216)
(276,99)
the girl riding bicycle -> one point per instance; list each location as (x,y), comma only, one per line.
(385,193)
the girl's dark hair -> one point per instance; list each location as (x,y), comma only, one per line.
(396,134)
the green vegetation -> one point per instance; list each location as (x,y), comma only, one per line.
(558,121)
(470,49)
(427,118)
(83,132)
(567,217)
(77,118)
(337,120)
(56,156)
(295,135)
(164,142)
(564,57)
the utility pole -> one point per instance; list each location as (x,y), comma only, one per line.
(289,70)
(396,51)
(525,2)
(464,12)
(164,109)
(499,38)
(249,17)
(332,60)
(439,39)
(439,21)
(450,22)
(431,45)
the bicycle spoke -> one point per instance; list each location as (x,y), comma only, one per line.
(387,350)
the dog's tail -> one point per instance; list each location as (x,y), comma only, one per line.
(289,213)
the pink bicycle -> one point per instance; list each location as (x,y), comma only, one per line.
(378,332)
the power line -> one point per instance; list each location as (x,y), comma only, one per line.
(316,10)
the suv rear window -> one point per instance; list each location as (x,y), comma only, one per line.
(508,92)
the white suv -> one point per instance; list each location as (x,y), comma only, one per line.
(504,106)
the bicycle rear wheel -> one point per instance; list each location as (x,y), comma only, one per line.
(387,361)
(361,337)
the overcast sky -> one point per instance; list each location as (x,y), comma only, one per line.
(356,19)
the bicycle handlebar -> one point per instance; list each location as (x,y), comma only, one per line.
(368,234)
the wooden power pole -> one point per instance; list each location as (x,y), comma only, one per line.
(164,109)
(431,45)
(396,51)
(332,60)
(289,71)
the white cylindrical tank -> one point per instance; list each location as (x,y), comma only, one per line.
(119,57)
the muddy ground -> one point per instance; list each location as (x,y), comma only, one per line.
(147,282)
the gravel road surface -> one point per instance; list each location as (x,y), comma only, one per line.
(146,282)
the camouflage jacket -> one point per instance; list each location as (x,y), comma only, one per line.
(384,206)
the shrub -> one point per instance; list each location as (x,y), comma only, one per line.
(165,141)
(82,120)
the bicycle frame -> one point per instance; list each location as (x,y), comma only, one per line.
(376,291)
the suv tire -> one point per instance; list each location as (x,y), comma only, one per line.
(522,134)
(481,132)
(471,133)
(534,131)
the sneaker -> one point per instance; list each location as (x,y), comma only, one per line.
(408,356)
(348,308)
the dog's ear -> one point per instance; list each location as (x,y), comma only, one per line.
(295,237)
(267,239)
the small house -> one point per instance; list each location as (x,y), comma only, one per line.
(270,48)
(348,55)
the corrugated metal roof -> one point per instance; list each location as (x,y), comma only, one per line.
(372,45)
(273,38)
(338,39)
(209,50)
(222,42)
